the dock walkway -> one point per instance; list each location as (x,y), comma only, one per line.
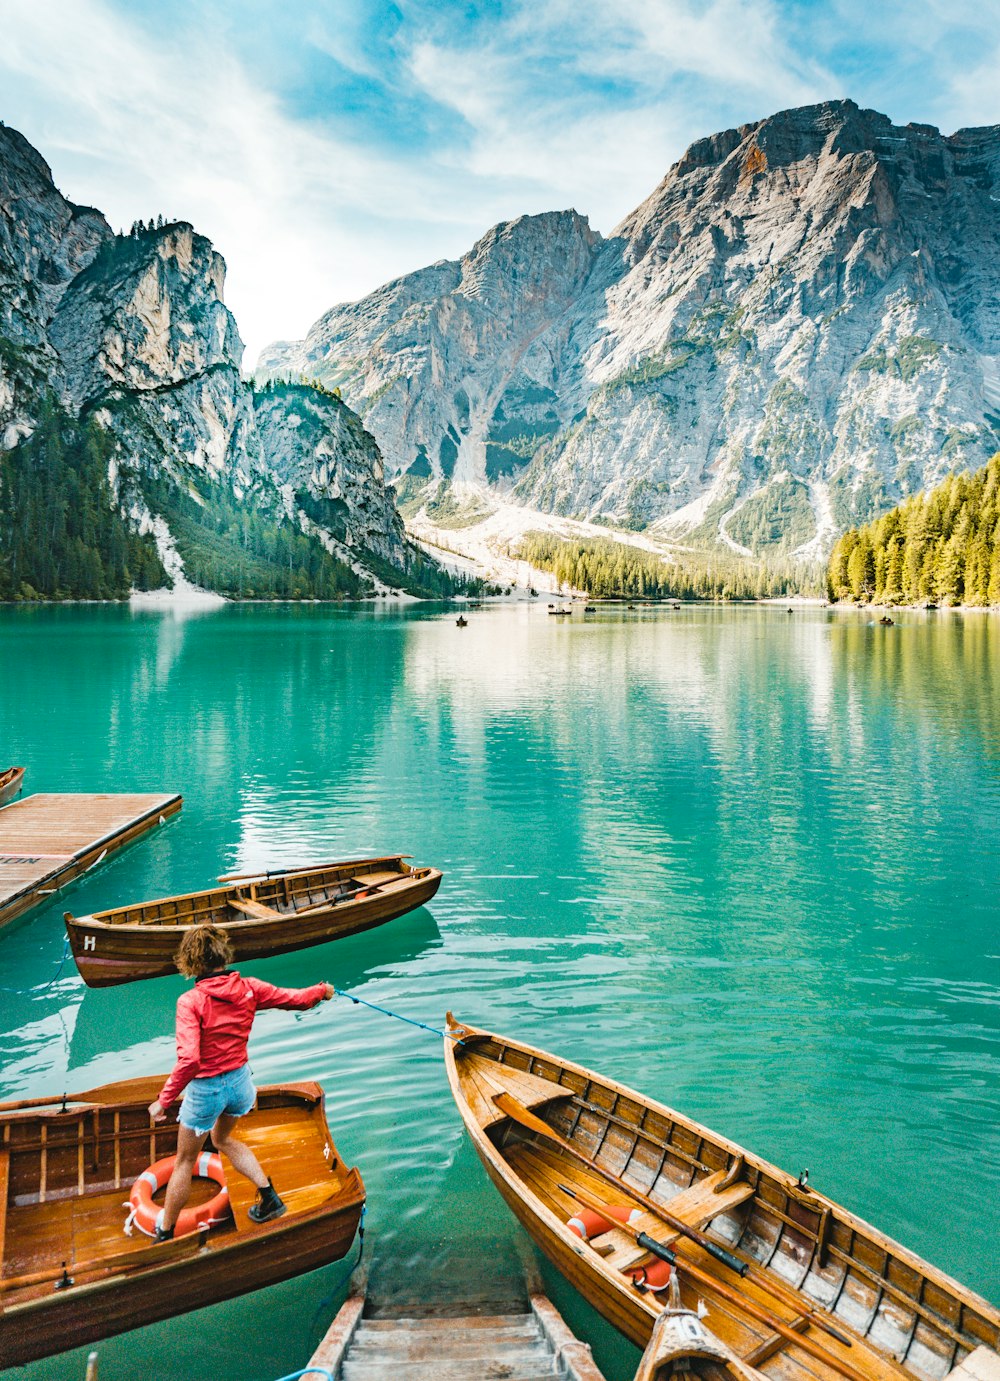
(532,1345)
(47,840)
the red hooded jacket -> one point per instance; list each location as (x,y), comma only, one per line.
(214,1021)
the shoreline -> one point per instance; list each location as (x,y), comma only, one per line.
(205,600)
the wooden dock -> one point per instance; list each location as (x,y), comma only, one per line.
(47,840)
(420,1345)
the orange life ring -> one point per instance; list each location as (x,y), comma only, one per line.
(588,1224)
(655,1276)
(144,1212)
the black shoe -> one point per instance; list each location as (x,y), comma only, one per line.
(268,1205)
(163,1234)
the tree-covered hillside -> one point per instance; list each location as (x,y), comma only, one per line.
(942,547)
(614,570)
(62,534)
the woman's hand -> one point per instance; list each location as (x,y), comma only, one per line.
(157,1113)
(327,993)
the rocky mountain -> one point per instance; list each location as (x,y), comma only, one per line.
(282,493)
(800,326)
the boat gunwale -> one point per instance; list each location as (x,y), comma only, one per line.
(98,919)
(963,1294)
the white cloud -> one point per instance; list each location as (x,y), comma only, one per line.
(527,93)
(137,127)
(556,103)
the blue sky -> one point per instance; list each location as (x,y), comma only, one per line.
(328,147)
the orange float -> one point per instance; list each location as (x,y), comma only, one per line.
(144,1211)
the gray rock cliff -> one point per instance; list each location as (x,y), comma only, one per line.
(134,331)
(799,326)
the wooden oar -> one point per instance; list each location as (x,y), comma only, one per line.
(507,1103)
(756,1311)
(154,1254)
(125,1091)
(264,875)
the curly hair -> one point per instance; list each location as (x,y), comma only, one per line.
(203,949)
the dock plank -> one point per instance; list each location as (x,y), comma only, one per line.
(48,839)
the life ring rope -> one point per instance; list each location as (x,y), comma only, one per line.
(144,1211)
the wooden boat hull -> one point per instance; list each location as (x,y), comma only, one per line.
(111,953)
(105,1308)
(40,1320)
(11,782)
(901,1316)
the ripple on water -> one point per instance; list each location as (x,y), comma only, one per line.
(739,861)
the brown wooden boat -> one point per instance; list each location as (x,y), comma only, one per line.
(824,1295)
(263,914)
(10,784)
(68,1275)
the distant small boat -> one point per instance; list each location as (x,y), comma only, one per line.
(10,784)
(560,611)
(262,913)
(597,1172)
(71,1276)
(887,621)
(590,608)
(462,622)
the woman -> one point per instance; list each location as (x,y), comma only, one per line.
(213,1026)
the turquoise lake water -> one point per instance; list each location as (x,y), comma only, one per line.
(743,861)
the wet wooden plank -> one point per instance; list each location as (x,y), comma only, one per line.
(49,839)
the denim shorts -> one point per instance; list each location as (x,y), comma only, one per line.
(206,1100)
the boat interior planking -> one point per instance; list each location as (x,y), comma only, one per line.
(834,1276)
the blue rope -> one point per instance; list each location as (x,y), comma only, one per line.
(41,987)
(435,1030)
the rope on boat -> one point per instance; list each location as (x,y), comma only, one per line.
(41,987)
(435,1030)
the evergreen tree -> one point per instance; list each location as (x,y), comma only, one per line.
(943,546)
(62,534)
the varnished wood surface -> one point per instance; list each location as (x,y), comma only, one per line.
(46,840)
(901,1315)
(69,1170)
(262,916)
(459,1346)
(11,782)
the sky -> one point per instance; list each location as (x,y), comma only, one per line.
(328,146)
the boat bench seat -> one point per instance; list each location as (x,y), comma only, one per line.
(254,908)
(695,1206)
(982,1364)
(484,1078)
(299,1168)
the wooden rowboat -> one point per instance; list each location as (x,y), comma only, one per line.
(68,1275)
(10,784)
(825,1295)
(263,914)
